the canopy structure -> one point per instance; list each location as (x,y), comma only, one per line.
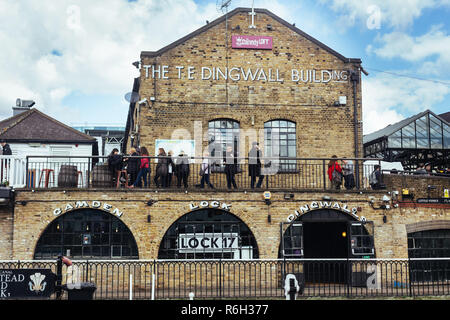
(415,141)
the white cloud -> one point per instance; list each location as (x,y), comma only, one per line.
(392,13)
(430,50)
(93,46)
(388,99)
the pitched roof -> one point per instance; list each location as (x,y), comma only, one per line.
(390,129)
(240,10)
(35,126)
(445,116)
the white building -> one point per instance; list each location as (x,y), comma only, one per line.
(35,140)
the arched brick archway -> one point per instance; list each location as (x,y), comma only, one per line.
(208,233)
(427,225)
(87,233)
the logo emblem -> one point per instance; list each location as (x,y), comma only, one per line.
(37,283)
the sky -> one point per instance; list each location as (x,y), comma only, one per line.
(74,57)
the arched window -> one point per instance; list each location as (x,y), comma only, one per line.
(280,141)
(223,133)
(87,234)
(208,234)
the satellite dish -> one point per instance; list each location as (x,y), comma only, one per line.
(132,97)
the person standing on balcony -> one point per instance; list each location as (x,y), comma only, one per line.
(6,149)
(230,167)
(334,173)
(254,166)
(144,169)
(348,171)
(376,179)
(182,169)
(170,168)
(115,163)
(161,169)
(205,170)
(133,165)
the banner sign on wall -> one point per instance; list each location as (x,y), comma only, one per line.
(207,242)
(26,283)
(251,42)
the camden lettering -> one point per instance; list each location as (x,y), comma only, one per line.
(85,205)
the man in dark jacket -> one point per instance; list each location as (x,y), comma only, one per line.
(6,149)
(133,166)
(182,169)
(376,179)
(230,162)
(254,165)
(115,165)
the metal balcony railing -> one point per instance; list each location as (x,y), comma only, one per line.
(287,174)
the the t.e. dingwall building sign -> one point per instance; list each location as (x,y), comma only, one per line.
(316,205)
(238,73)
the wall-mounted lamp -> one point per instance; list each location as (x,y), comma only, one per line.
(269,27)
(151,202)
(267,196)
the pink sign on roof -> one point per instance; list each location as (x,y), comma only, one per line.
(251,42)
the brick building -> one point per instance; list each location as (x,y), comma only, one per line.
(228,84)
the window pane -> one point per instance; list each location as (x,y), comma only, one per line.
(226,133)
(408,136)
(84,233)
(446,136)
(422,133)
(282,134)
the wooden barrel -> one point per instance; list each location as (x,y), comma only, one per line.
(68,176)
(102,176)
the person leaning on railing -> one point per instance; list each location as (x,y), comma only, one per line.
(144,169)
(6,148)
(348,171)
(334,173)
(115,163)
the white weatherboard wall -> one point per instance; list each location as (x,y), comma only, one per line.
(63,151)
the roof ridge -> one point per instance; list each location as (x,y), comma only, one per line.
(64,125)
(20,117)
(243,9)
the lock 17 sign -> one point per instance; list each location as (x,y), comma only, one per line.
(207,242)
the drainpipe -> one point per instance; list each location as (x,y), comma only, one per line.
(355,79)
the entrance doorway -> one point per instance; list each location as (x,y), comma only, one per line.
(325,240)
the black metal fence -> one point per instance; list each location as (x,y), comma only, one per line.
(221,279)
(275,173)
